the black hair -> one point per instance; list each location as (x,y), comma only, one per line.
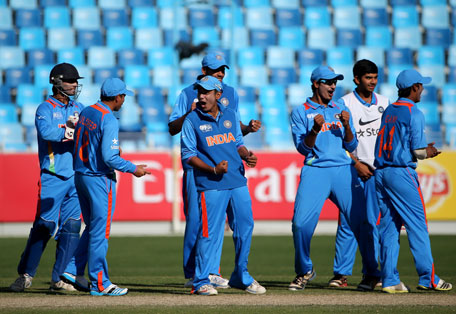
(107,98)
(364,66)
(405,92)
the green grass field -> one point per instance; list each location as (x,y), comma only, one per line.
(151,266)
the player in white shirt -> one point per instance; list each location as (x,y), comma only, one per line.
(366,108)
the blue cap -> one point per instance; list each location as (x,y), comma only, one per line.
(214,61)
(114,86)
(324,72)
(409,77)
(209,83)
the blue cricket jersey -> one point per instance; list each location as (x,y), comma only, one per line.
(401,132)
(330,148)
(189,95)
(55,152)
(213,140)
(97,143)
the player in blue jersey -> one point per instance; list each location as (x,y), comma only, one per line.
(322,132)
(401,142)
(366,108)
(211,142)
(97,155)
(213,64)
(58,211)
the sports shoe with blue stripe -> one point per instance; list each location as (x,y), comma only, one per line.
(112,290)
(79,282)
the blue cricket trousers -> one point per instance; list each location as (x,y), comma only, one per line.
(213,210)
(401,203)
(340,185)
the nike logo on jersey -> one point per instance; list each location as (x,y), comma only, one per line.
(361,122)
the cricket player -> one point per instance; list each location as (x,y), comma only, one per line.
(97,155)
(211,142)
(58,211)
(400,143)
(322,132)
(213,64)
(366,108)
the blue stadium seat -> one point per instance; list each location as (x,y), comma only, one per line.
(408,37)
(343,3)
(11,57)
(90,37)
(279,138)
(292,37)
(100,57)
(349,38)
(8,37)
(450,135)
(280,57)
(90,94)
(449,113)
(449,94)
(405,16)
(378,36)
(297,93)
(321,38)
(263,37)
(23,4)
(209,35)
(376,55)
(130,56)
(8,114)
(435,16)
(389,91)
(137,76)
(81,3)
(56,16)
(101,74)
(247,94)
(437,72)
(248,111)
(148,38)
(73,55)
(86,18)
(398,56)
(164,56)
(395,3)
(141,3)
(347,71)
(375,17)
(201,17)
(432,2)
(283,76)
(60,38)
(5,94)
(250,56)
(429,94)
(29,94)
(451,74)
(393,72)
(166,18)
(431,55)
(288,17)
(316,17)
(6,18)
(453,16)
(159,140)
(28,117)
(304,74)
(31,38)
(285,4)
(371,4)
(240,40)
(119,38)
(115,18)
(16,76)
(52,3)
(256,3)
(255,76)
(165,76)
(28,18)
(150,96)
(110,4)
(144,17)
(272,96)
(438,37)
(11,133)
(312,57)
(259,18)
(224,17)
(41,75)
(130,117)
(339,56)
(153,113)
(347,17)
(452,55)
(434,134)
(168,35)
(314,3)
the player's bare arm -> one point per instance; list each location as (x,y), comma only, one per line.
(175,126)
(316,128)
(220,168)
(248,156)
(254,126)
(345,120)
(141,171)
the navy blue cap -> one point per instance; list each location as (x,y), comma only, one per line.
(214,61)
(324,72)
(409,77)
(114,86)
(209,82)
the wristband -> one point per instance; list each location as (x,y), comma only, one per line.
(313,130)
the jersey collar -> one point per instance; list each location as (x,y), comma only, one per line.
(365,103)
(314,105)
(54,100)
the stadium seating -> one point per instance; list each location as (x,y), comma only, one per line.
(40,56)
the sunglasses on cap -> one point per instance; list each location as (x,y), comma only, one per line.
(328,82)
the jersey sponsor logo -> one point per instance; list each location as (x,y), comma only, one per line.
(205,128)
(115,144)
(227,124)
(328,126)
(435,184)
(361,122)
(220,139)
(225,101)
(57,115)
(367,132)
(311,115)
(381,109)
(41,117)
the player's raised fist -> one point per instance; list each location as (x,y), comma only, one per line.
(140,171)
(318,122)
(251,160)
(222,167)
(345,118)
(254,125)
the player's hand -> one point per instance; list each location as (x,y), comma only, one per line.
(364,171)
(254,125)
(345,118)
(318,123)
(431,151)
(140,171)
(251,160)
(69,133)
(72,121)
(222,167)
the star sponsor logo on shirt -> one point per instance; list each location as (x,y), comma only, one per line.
(41,117)
(227,124)
(115,144)
(205,127)
(225,101)
(57,115)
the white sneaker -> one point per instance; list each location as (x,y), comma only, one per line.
(218,281)
(23,282)
(399,288)
(112,290)
(61,285)
(255,288)
(79,282)
(205,290)
(189,283)
(441,286)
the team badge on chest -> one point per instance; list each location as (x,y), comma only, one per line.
(381,109)
(225,101)
(227,124)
